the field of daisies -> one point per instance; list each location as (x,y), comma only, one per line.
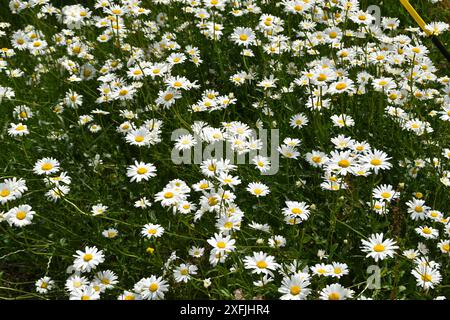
(112,116)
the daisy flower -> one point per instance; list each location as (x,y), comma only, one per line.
(88,259)
(152,288)
(98,209)
(426,277)
(20,216)
(298,121)
(342,120)
(341,162)
(427,232)
(76,282)
(322,269)
(258,189)
(277,241)
(46,166)
(44,284)
(261,163)
(221,244)
(294,288)
(341,86)
(18,129)
(128,295)
(377,248)
(339,269)
(385,192)
(335,292)
(185,142)
(138,137)
(316,158)
(296,210)
(376,160)
(152,231)
(288,152)
(228,180)
(417,209)
(261,263)
(183,272)
(107,279)
(243,36)
(444,246)
(196,252)
(86,293)
(141,171)
(110,233)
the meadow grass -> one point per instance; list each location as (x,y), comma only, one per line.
(97,162)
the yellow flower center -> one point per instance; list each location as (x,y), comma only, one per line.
(228,225)
(142,170)
(84,297)
(316,159)
(129,297)
(344,163)
(341,86)
(426,277)
(21,215)
(168,195)
(378,247)
(47,166)
(295,290)
(393,96)
(87,257)
(296,211)
(168,97)
(153,287)
(5,192)
(151,231)
(221,244)
(375,162)
(261,264)
(426,230)
(212,201)
(298,7)
(334,296)
(385,195)
(184,272)
(139,138)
